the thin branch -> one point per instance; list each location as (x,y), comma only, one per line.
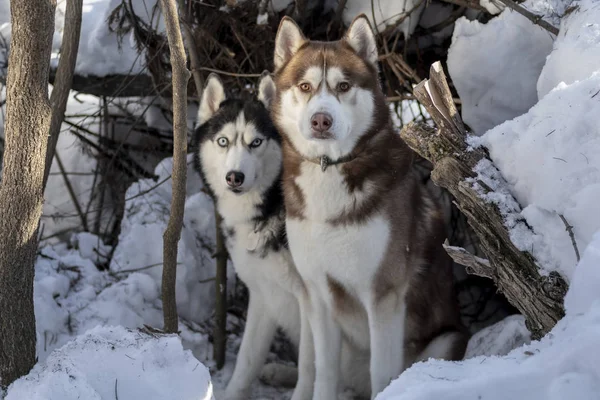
(71,192)
(536,19)
(64,77)
(569,229)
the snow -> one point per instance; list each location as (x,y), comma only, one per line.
(495,67)
(100,52)
(563,364)
(576,51)
(561,137)
(386,13)
(500,338)
(114,362)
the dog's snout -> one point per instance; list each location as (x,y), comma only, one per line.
(234,179)
(321,122)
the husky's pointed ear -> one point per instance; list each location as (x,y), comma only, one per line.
(361,38)
(212,97)
(266,89)
(287,42)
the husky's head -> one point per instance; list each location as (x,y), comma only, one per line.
(237,146)
(328,95)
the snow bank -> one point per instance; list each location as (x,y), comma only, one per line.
(576,52)
(562,365)
(551,160)
(495,67)
(113,362)
(100,52)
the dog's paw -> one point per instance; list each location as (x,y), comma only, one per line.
(279,375)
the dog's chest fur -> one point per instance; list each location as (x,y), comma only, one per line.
(324,248)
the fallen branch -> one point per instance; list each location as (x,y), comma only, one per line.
(536,19)
(515,272)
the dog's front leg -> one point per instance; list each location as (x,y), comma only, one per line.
(386,328)
(258,335)
(327,338)
(306,356)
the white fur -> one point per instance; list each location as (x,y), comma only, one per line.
(287,42)
(352,113)
(360,36)
(266,89)
(350,254)
(212,96)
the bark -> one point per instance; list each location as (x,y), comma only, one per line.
(64,77)
(28,117)
(180,77)
(515,272)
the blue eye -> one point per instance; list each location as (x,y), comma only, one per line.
(222,141)
(256,143)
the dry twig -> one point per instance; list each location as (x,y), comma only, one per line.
(569,229)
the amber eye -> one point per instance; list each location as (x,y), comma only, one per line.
(343,86)
(305,87)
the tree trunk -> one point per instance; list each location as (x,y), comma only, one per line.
(181,75)
(515,272)
(21,191)
(64,77)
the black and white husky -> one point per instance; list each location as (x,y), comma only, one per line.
(238,154)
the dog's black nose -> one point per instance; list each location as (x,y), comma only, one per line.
(234,179)
(321,122)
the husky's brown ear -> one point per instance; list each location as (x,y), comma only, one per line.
(361,38)
(212,97)
(287,42)
(266,89)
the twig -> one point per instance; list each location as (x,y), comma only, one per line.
(569,229)
(124,271)
(536,19)
(116,392)
(71,192)
(220,72)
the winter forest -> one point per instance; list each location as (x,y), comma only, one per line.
(182,217)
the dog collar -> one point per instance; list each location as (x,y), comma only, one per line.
(325,161)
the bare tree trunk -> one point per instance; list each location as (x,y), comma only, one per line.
(515,272)
(28,117)
(220,328)
(64,77)
(181,75)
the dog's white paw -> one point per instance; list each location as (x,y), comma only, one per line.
(279,375)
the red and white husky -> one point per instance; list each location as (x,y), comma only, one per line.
(364,233)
